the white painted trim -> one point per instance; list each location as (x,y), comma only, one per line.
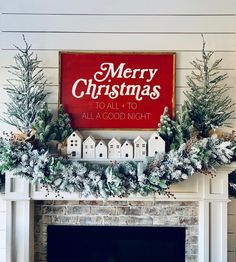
(17,188)
(20,231)
(203,237)
(218,231)
(9,232)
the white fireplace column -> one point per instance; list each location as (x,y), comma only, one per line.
(210,193)
(19,221)
(213,217)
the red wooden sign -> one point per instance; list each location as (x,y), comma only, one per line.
(117,90)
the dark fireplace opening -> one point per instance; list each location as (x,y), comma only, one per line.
(115,244)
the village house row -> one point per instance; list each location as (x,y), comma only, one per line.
(77,148)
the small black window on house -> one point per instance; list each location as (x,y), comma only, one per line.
(100,155)
(126,155)
(73,153)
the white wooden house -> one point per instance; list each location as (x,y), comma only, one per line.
(140,148)
(74,145)
(155,145)
(101,150)
(114,149)
(89,148)
(127,150)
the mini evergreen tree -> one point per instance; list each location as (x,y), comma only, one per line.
(184,125)
(44,126)
(47,129)
(166,128)
(208,105)
(62,125)
(26,90)
(175,132)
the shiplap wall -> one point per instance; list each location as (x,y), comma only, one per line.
(157,25)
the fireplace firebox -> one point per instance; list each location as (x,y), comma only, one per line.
(115,243)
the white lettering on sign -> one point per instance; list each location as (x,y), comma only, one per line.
(107,72)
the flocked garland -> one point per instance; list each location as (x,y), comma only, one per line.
(155,175)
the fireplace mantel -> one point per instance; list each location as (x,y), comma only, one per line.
(210,193)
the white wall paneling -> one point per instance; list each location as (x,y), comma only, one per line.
(121,7)
(117,24)
(49,58)
(121,41)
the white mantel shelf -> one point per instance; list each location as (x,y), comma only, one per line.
(210,193)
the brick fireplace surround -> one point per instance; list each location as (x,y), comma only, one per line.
(200,206)
(150,213)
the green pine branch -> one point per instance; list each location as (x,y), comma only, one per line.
(44,126)
(47,129)
(62,125)
(177,131)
